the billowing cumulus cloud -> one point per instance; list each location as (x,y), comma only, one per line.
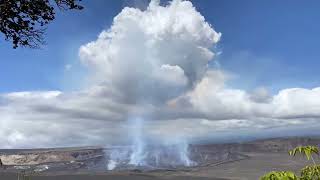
(152,64)
(145,53)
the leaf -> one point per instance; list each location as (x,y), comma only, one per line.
(279,175)
(310,172)
(305,150)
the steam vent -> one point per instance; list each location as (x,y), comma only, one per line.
(117,158)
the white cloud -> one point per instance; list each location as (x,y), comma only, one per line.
(90,117)
(151,64)
(297,102)
(144,53)
(219,102)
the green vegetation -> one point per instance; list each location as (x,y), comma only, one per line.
(276,175)
(311,172)
(305,150)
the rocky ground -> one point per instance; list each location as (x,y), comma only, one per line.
(239,161)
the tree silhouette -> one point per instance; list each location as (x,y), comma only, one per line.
(23,22)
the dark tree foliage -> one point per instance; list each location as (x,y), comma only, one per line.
(23,22)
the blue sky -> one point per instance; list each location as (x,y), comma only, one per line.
(272,44)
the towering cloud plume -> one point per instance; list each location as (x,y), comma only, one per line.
(146,53)
(151,64)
